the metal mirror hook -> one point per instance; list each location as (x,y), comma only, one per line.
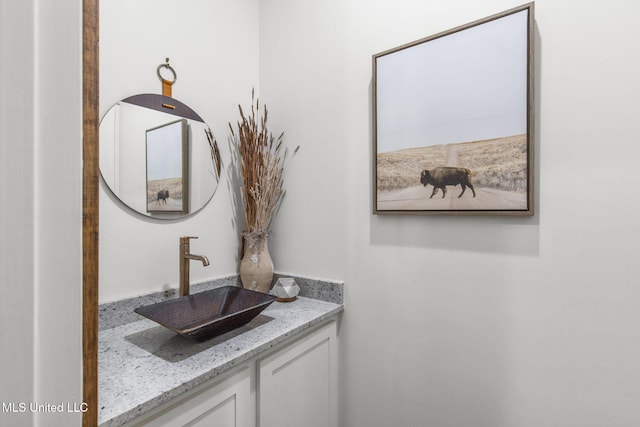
(170,68)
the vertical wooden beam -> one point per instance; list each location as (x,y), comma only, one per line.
(90,211)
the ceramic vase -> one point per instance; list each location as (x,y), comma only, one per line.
(256,267)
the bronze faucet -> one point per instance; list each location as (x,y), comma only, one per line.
(185,256)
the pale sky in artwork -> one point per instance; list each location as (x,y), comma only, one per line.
(164,152)
(466,86)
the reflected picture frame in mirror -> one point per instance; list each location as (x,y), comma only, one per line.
(124,156)
(167,154)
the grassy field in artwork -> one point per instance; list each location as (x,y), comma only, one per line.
(494,163)
(173,185)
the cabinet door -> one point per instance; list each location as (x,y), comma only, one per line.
(227,403)
(297,385)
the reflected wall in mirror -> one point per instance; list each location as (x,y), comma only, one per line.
(161,179)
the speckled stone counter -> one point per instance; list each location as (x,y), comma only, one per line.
(142,365)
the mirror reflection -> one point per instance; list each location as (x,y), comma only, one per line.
(155,156)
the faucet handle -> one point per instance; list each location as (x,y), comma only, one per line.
(184,242)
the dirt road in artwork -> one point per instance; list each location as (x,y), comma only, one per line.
(417,198)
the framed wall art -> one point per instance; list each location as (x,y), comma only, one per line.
(453,118)
(168,167)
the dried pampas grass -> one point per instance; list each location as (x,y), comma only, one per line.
(262,166)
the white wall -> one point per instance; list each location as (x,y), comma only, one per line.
(303,70)
(41,224)
(213,46)
(449,321)
(16,223)
(469,321)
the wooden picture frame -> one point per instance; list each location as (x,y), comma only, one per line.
(453,120)
(167,152)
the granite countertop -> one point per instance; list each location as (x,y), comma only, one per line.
(142,365)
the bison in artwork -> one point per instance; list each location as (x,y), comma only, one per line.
(163,195)
(442,176)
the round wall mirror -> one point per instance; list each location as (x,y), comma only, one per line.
(158,157)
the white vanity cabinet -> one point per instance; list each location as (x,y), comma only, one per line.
(292,385)
(297,384)
(228,402)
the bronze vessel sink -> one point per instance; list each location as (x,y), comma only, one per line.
(210,313)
